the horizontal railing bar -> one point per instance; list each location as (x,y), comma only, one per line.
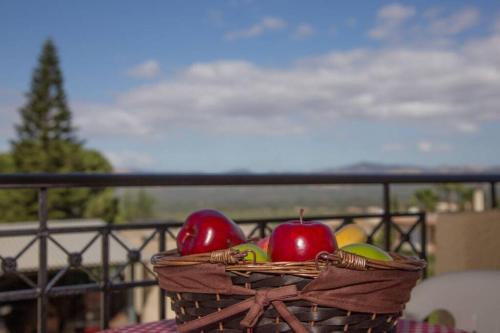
(147,225)
(131,180)
(325,217)
(76,289)
(18,232)
(21,295)
(175,224)
(80,229)
(82,289)
(18,295)
(134,284)
(115,227)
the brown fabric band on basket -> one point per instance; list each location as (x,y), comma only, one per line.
(335,280)
(255,306)
(380,291)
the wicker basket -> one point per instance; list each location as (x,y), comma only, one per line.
(339,292)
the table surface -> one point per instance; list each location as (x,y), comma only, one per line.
(168,326)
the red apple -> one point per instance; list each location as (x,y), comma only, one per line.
(208,230)
(263,243)
(300,240)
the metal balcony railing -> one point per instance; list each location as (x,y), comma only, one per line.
(105,280)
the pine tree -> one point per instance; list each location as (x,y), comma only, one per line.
(47,142)
(45,132)
(46,115)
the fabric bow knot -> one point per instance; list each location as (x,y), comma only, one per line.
(255,306)
(262,299)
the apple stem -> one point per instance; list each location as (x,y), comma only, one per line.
(301,215)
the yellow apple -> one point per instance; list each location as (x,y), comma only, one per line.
(350,234)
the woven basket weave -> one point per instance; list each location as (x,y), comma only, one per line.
(200,311)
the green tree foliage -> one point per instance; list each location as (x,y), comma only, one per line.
(453,194)
(136,206)
(6,163)
(457,194)
(46,142)
(426,199)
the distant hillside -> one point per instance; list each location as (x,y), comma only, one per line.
(371,167)
(271,201)
(367,167)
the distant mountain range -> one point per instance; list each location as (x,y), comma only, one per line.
(383,168)
(371,167)
(271,201)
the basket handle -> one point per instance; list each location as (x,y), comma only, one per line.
(228,256)
(338,258)
(353,261)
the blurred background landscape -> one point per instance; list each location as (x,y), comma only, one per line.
(247,87)
(236,87)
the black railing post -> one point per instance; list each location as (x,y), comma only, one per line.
(387,217)
(262,229)
(105,288)
(131,295)
(346,221)
(493,190)
(423,239)
(162,247)
(42,299)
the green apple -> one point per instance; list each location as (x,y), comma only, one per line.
(260,255)
(368,251)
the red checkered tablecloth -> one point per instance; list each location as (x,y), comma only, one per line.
(168,326)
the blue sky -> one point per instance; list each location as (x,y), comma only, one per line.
(266,85)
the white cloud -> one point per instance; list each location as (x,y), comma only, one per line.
(402,24)
(98,120)
(147,70)
(130,160)
(425,146)
(455,88)
(396,12)
(266,24)
(467,127)
(303,31)
(455,23)
(390,18)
